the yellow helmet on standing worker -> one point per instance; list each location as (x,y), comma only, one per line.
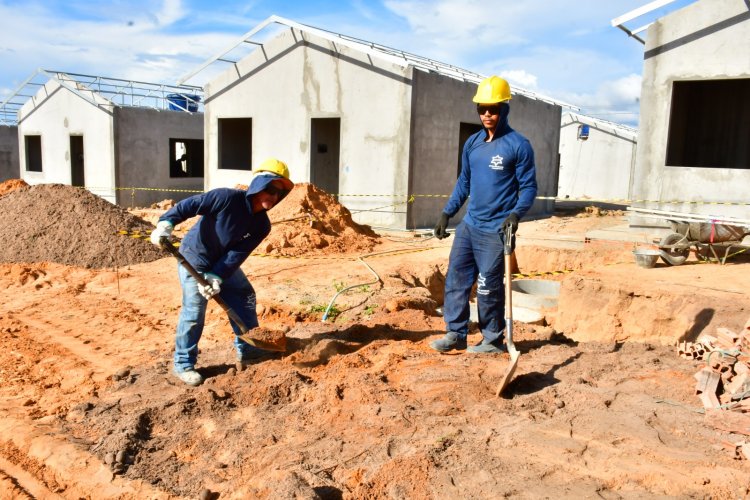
(491,90)
(277,167)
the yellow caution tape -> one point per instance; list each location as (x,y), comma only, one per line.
(412,197)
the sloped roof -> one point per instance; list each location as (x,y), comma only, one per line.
(253,41)
(613,128)
(102,92)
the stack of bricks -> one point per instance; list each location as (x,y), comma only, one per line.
(724,381)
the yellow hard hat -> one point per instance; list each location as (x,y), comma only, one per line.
(277,167)
(491,90)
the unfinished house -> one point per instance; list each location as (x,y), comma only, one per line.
(596,158)
(693,158)
(132,143)
(380,128)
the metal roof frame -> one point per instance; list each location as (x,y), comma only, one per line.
(619,22)
(102,92)
(617,129)
(372,49)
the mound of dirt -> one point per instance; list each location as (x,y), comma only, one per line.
(11,185)
(72,226)
(311,221)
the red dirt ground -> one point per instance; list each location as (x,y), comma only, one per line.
(358,406)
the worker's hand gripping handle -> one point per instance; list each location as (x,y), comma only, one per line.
(508,243)
(167,245)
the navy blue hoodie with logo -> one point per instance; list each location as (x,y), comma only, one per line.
(500,175)
(227,231)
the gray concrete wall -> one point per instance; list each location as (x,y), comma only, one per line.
(440,105)
(709,39)
(297,77)
(55,114)
(599,167)
(9,166)
(142,154)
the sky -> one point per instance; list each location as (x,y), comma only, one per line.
(567,50)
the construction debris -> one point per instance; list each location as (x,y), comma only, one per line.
(723,384)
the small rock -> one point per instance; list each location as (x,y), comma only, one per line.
(232,372)
(560,403)
(121,373)
(109,458)
(121,456)
(205,494)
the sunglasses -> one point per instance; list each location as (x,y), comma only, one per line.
(275,191)
(494,109)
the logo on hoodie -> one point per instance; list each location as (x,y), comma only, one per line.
(496,163)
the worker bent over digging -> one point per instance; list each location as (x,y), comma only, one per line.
(233,224)
(497,170)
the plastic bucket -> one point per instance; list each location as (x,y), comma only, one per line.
(183,102)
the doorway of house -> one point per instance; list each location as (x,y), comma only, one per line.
(76,161)
(325,136)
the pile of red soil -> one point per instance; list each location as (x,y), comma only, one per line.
(309,220)
(71,226)
(11,185)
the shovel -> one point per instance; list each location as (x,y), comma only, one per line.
(260,344)
(514,354)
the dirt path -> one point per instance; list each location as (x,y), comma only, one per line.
(359,406)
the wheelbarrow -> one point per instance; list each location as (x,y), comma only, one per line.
(708,238)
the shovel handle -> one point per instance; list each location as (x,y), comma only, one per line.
(167,245)
(262,344)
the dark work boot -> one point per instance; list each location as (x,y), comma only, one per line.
(450,340)
(485,347)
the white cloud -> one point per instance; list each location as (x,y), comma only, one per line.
(520,77)
(171,11)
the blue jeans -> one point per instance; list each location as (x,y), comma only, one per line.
(236,291)
(476,256)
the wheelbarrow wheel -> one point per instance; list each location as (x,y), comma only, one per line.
(674,254)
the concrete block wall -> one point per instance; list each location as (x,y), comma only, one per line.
(142,154)
(9,166)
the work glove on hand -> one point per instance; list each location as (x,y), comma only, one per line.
(163,229)
(213,287)
(440,231)
(512,221)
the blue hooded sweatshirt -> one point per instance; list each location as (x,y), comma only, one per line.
(500,175)
(228,229)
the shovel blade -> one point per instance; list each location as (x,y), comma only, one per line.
(514,355)
(278,346)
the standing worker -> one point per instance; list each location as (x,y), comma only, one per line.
(233,224)
(497,170)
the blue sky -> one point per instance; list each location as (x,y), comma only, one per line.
(564,49)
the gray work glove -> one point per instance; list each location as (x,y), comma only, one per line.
(213,287)
(512,221)
(163,229)
(441,227)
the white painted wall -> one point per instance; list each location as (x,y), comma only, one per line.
(707,40)
(289,82)
(599,167)
(56,113)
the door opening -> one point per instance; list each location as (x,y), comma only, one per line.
(76,161)
(325,137)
